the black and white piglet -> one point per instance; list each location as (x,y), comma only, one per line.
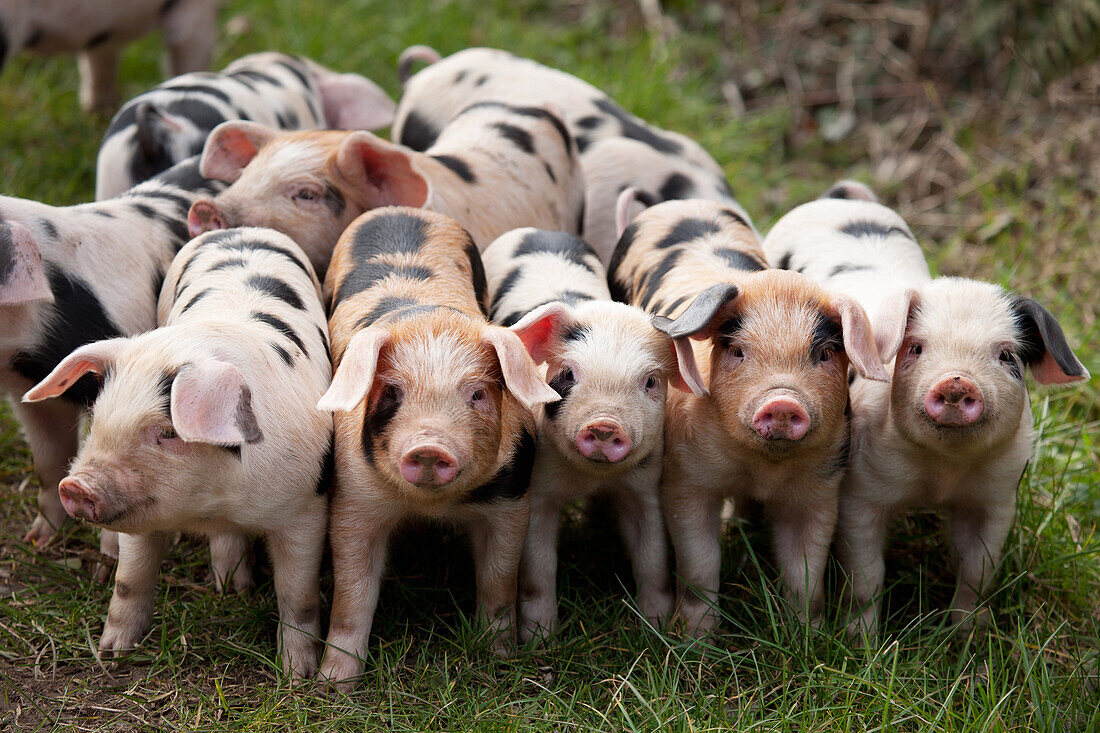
(157,129)
(208,424)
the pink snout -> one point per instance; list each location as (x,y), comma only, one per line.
(954,402)
(604,441)
(429,465)
(204,217)
(782,418)
(79,500)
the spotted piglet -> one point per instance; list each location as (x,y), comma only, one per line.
(433,417)
(170,123)
(311,185)
(72,275)
(611,368)
(97,30)
(773,349)
(209,424)
(617,149)
(953,429)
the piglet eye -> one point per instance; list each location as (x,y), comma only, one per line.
(827,354)
(915,349)
(478,395)
(567,375)
(305,194)
(737,352)
(165,433)
(651,382)
(1007,356)
(392,393)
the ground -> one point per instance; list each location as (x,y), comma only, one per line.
(996,168)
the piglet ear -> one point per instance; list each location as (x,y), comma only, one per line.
(212,404)
(859,339)
(1045,351)
(355,376)
(686,378)
(380,173)
(539,327)
(153,126)
(705,314)
(231,146)
(848,189)
(521,376)
(22,277)
(353,102)
(892,320)
(91,358)
(624,210)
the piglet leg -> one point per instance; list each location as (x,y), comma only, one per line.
(358,557)
(190,30)
(131,609)
(52,432)
(99,78)
(801,535)
(229,558)
(643,532)
(498,545)
(296,555)
(692,520)
(978,535)
(538,600)
(860,542)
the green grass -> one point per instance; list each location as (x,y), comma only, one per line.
(1021,214)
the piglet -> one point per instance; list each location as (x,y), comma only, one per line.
(311,185)
(98,29)
(433,417)
(770,352)
(209,425)
(611,368)
(617,149)
(953,429)
(170,123)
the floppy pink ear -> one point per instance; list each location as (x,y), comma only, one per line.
(892,320)
(353,102)
(623,210)
(380,173)
(231,146)
(859,339)
(521,376)
(539,327)
(355,376)
(91,358)
(686,376)
(211,403)
(25,279)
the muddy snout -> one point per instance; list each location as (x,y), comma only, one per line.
(429,464)
(80,500)
(781,417)
(954,401)
(204,217)
(604,441)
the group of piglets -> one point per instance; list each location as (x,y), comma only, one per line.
(532,297)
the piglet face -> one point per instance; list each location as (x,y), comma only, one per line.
(779,357)
(959,372)
(612,369)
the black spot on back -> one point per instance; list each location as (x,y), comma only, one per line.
(367,274)
(784,261)
(477,274)
(635,129)
(677,186)
(517,136)
(282,327)
(839,269)
(566,246)
(511,481)
(865,228)
(276,288)
(738,260)
(654,277)
(230,241)
(185,175)
(457,166)
(417,133)
(686,230)
(506,286)
(231,262)
(76,317)
(389,234)
(292,65)
(619,291)
(385,305)
(198,296)
(283,353)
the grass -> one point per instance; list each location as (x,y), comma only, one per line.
(1019,207)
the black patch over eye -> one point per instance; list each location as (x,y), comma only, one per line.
(391,394)
(1008,359)
(568,376)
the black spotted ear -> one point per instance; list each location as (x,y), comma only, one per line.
(1044,348)
(154,125)
(703,316)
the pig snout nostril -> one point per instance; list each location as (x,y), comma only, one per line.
(79,500)
(429,467)
(781,419)
(954,402)
(604,442)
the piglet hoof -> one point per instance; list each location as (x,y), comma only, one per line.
(42,532)
(970,623)
(537,630)
(299,661)
(118,638)
(696,619)
(862,630)
(656,608)
(340,672)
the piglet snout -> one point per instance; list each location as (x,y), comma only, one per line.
(79,500)
(781,418)
(429,465)
(204,217)
(954,402)
(604,441)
